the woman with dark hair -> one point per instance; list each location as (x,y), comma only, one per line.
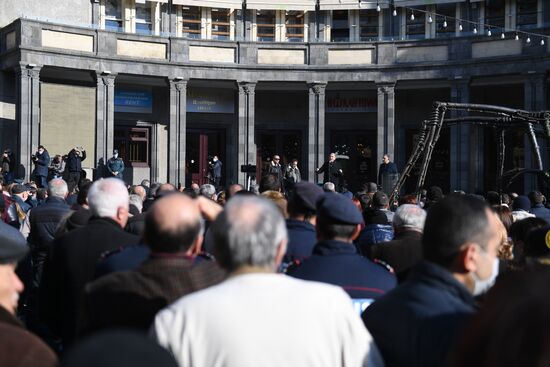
(505,215)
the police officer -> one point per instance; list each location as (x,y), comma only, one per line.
(115,165)
(335,259)
(332,171)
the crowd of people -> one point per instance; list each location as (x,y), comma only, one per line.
(106,274)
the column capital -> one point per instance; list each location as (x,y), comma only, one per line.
(317,87)
(28,70)
(385,87)
(246,87)
(105,78)
(178,84)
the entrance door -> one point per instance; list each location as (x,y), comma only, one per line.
(287,144)
(357,153)
(201,147)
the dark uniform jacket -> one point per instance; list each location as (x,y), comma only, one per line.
(131,299)
(8,163)
(115,165)
(386,168)
(74,162)
(541,212)
(338,263)
(416,324)
(41,164)
(401,254)
(217,169)
(71,265)
(301,240)
(44,220)
(331,173)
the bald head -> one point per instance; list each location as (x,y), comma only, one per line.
(173,224)
(139,190)
(166,187)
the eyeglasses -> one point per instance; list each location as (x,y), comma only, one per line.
(276,159)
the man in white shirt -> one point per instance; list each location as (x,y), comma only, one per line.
(257,317)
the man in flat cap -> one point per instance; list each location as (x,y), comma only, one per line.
(335,259)
(18,347)
(17,211)
(301,222)
(115,165)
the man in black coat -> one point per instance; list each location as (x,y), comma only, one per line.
(41,160)
(332,172)
(417,323)
(405,250)
(131,299)
(335,259)
(73,256)
(73,167)
(276,169)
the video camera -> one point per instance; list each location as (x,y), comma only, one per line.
(248,168)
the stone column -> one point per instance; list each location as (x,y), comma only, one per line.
(245,144)
(316,128)
(534,100)
(177,131)
(95,13)
(105,120)
(385,143)
(28,116)
(461,163)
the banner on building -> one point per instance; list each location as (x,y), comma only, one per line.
(209,100)
(133,101)
(350,102)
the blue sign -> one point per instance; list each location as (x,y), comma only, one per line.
(210,100)
(133,101)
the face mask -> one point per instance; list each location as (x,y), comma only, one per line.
(215,159)
(115,155)
(482,286)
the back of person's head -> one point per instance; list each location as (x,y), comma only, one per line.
(409,216)
(513,326)
(249,232)
(536,198)
(493,198)
(139,190)
(522,202)
(329,187)
(408,199)
(173,224)
(83,182)
(82,197)
(451,223)
(374,216)
(107,196)
(380,200)
(505,215)
(135,201)
(232,190)
(369,187)
(536,244)
(58,188)
(434,193)
(165,187)
(279,200)
(269,182)
(207,190)
(518,233)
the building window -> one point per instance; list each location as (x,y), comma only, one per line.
(416,23)
(113,16)
(495,13)
(445,22)
(294,23)
(368,25)
(265,23)
(221,24)
(191,22)
(340,26)
(526,12)
(133,145)
(144,25)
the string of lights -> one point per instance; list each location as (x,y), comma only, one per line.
(487,30)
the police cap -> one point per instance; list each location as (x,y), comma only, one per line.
(338,209)
(307,194)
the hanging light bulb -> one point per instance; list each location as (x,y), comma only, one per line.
(542,42)
(517,37)
(489,33)
(430,19)
(475,30)
(502,35)
(528,40)
(460,28)
(378,7)
(394,12)
(412,16)
(445,23)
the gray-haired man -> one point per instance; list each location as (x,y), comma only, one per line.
(256,307)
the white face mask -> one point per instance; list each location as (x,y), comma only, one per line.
(115,155)
(483,285)
(215,159)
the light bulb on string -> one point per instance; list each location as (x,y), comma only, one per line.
(542,42)
(475,30)
(412,16)
(502,35)
(460,28)
(394,12)
(517,37)
(445,23)
(528,40)
(378,7)
(430,19)
(489,33)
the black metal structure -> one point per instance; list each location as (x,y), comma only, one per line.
(499,118)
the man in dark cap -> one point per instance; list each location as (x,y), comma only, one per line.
(115,165)
(18,347)
(301,222)
(335,259)
(381,202)
(521,207)
(17,211)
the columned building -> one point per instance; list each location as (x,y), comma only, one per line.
(170,83)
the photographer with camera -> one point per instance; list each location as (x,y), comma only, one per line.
(8,166)
(73,167)
(216,172)
(41,160)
